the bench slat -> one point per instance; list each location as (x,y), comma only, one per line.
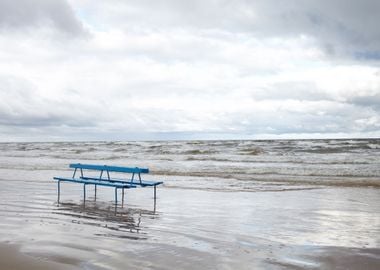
(118,180)
(95,182)
(109,168)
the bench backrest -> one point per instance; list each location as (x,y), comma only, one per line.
(109,168)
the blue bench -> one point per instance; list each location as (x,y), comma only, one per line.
(104,178)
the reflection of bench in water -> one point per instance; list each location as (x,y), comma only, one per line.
(123,223)
(104,178)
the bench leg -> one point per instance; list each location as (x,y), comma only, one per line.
(122,197)
(95,192)
(59,190)
(155,192)
(115,196)
(84,192)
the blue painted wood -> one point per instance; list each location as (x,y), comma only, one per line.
(109,168)
(95,182)
(108,181)
(111,180)
(135,182)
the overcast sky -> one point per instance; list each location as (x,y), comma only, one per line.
(188,69)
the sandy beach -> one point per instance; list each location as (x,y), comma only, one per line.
(317,229)
(200,220)
(12,258)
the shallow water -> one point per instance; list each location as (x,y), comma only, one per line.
(224,205)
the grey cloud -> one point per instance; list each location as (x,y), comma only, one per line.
(22,106)
(339,118)
(309,91)
(26,14)
(297,90)
(372,101)
(30,120)
(341,27)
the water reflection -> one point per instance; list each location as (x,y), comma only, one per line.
(120,222)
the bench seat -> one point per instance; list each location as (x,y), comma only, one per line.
(95,182)
(104,178)
(142,183)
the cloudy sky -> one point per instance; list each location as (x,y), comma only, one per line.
(188,69)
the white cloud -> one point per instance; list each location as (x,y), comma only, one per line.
(161,70)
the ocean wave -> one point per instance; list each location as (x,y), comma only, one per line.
(120,149)
(193,158)
(373,146)
(198,152)
(228,160)
(269,183)
(242,174)
(252,151)
(178,152)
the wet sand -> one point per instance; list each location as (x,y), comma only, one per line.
(12,259)
(326,228)
(178,258)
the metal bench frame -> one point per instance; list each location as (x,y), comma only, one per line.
(117,183)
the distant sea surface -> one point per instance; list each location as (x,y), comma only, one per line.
(267,165)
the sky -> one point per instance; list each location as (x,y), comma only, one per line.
(189,69)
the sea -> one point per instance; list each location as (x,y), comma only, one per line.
(263,165)
(217,194)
